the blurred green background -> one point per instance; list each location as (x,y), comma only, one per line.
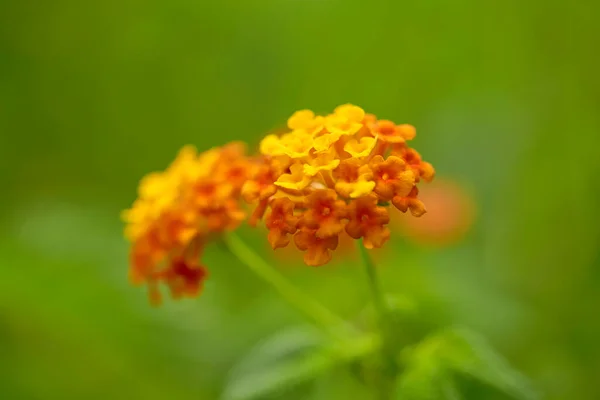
(94,94)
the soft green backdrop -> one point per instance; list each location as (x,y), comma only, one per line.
(93,94)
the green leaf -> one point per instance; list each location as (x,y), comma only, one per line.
(291,358)
(470,354)
(421,380)
(404,321)
(450,390)
(432,366)
(279,376)
(339,383)
(424,376)
(285,360)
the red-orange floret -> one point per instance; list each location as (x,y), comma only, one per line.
(423,170)
(367,220)
(281,221)
(318,250)
(392,177)
(184,278)
(410,202)
(325,213)
(388,131)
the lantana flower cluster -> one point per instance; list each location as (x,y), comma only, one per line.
(334,175)
(180,210)
(327,176)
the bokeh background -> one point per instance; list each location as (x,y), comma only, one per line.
(94,94)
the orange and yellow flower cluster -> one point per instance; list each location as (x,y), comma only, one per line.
(334,175)
(328,176)
(178,211)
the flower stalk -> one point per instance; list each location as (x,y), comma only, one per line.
(305,304)
(387,362)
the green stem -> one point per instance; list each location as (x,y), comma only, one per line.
(388,363)
(374,286)
(294,296)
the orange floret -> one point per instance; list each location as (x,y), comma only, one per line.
(281,222)
(421,168)
(367,221)
(387,131)
(325,213)
(184,277)
(318,250)
(410,202)
(392,177)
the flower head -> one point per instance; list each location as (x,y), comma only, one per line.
(180,210)
(334,175)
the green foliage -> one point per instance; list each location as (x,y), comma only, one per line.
(292,358)
(434,367)
(438,366)
(288,358)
